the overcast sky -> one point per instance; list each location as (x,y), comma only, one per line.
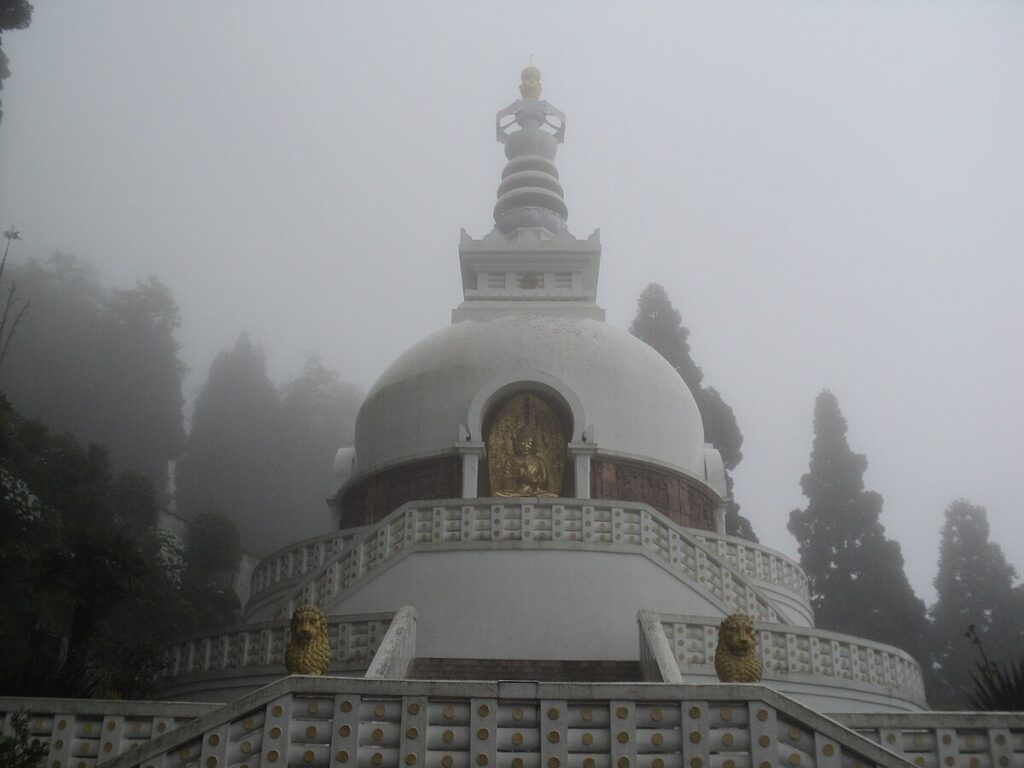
(831,193)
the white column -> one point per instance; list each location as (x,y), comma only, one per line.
(471,452)
(720,519)
(580,454)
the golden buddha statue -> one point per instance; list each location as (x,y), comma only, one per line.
(524,472)
(525,449)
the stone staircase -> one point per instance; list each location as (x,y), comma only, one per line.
(547,671)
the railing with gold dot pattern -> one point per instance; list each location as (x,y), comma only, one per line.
(544,523)
(349,723)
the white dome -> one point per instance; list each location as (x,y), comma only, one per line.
(634,402)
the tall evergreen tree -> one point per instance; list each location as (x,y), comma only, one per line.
(659,324)
(975,588)
(319,415)
(263,457)
(213,554)
(856,575)
(231,456)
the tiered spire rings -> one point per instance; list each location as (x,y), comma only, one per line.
(529,196)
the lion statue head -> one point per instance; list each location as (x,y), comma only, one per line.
(309,647)
(736,659)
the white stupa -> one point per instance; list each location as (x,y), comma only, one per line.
(531,482)
(530,570)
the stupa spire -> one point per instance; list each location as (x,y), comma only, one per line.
(529,195)
(529,262)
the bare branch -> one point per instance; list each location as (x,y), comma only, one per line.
(10,334)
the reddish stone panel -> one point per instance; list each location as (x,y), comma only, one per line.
(374,497)
(674,495)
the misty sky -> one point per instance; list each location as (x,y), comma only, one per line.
(831,193)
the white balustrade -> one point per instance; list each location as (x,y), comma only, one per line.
(89,731)
(946,739)
(354,640)
(756,562)
(799,653)
(748,559)
(343,723)
(555,523)
(298,560)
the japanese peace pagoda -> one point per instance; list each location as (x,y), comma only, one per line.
(531,569)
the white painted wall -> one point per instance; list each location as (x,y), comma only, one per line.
(526,604)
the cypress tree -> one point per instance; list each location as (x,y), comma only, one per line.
(856,575)
(659,324)
(975,588)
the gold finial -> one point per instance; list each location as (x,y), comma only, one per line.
(530,87)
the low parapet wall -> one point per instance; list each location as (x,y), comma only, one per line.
(831,671)
(222,665)
(345,723)
(590,523)
(338,722)
(568,524)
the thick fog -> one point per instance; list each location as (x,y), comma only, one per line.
(831,193)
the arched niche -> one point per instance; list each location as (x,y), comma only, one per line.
(488,402)
(551,388)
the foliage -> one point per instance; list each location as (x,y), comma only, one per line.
(974,587)
(857,582)
(997,687)
(102,364)
(264,457)
(14,14)
(659,324)
(87,601)
(21,750)
(213,553)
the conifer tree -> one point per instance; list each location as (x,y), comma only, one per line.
(263,456)
(856,575)
(659,324)
(975,588)
(231,454)
(319,411)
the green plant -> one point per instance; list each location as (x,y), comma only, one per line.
(997,688)
(19,750)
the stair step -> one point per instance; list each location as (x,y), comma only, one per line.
(547,670)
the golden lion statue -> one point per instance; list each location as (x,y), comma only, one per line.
(736,659)
(309,648)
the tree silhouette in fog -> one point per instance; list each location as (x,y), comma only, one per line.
(230,460)
(264,457)
(975,588)
(659,324)
(100,363)
(14,14)
(857,582)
